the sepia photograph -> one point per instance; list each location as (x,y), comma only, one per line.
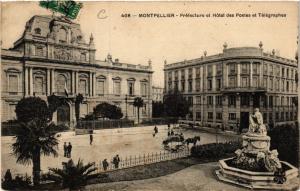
(149,95)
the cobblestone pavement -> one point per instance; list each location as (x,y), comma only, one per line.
(107,143)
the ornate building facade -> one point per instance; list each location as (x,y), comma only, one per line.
(224,89)
(52,57)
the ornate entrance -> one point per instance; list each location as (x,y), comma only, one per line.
(63,114)
(244,122)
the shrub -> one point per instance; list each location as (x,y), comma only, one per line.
(285,138)
(215,150)
(20,182)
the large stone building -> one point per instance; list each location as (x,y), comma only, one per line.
(53,57)
(224,89)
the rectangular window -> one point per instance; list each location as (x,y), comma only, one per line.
(255,68)
(271,70)
(198,116)
(13,84)
(287,73)
(278,71)
(210,100)
(265,82)
(271,84)
(270,101)
(198,83)
(219,116)
(245,101)
(176,75)
(190,85)
(39,85)
(265,69)
(143,89)
(232,68)
(219,69)
(245,68)
(39,51)
(255,82)
(190,73)
(100,87)
(282,72)
(170,76)
(245,82)
(218,84)
(219,100)
(210,115)
(83,88)
(232,82)
(232,116)
(283,85)
(197,72)
(198,100)
(131,88)
(232,101)
(117,87)
(190,101)
(209,70)
(182,74)
(209,84)
(277,84)
(287,86)
(182,85)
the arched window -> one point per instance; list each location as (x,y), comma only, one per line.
(61,84)
(100,88)
(37,31)
(62,35)
(39,83)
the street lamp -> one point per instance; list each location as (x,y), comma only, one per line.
(126,106)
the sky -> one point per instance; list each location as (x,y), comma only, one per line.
(135,40)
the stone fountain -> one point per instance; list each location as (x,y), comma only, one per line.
(255,166)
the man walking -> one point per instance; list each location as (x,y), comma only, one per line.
(91,139)
(65,149)
(69,150)
(105,164)
(116,161)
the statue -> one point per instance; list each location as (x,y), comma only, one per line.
(256,124)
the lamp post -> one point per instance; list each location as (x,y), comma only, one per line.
(126,106)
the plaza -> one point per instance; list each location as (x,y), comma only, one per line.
(107,143)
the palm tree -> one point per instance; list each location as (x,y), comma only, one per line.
(34,138)
(72,176)
(138,103)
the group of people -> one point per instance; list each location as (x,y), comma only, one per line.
(67,150)
(116,160)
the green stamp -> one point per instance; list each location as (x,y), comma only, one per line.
(69,8)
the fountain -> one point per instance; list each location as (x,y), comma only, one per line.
(255,166)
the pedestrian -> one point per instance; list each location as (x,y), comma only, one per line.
(172,132)
(65,149)
(105,164)
(91,139)
(169,133)
(155,129)
(116,161)
(69,150)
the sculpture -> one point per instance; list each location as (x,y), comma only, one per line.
(256,124)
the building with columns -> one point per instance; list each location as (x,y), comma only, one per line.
(52,57)
(224,89)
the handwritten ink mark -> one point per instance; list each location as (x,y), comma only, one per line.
(101,14)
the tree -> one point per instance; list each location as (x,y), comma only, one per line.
(78,101)
(175,105)
(138,103)
(72,176)
(34,134)
(157,109)
(54,102)
(31,108)
(106,110)
(34,138)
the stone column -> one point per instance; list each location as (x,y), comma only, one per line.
(186,80)
(238,77)
(52,81)
(73,83)
(26,81)
(48,82)
(194,79)
(251,73)
(76,82)
(30,81)
(91,84)
(94,84)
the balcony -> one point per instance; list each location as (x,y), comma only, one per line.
(243,89)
